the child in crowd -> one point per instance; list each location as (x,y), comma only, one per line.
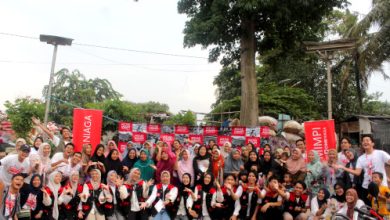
(296,203)
(383,196)
(287,182)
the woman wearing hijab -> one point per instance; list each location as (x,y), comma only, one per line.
(129,160)
(296,165)
(93,197)
(115,212)
(86,154)
(184,199)
(145,165)
(44,154)
(98,159)
(111,145)
(163,193)
(233,163)
(253,162)
(135,193)
(314,173)
(50,197)
(268,166)
(352,201)
(69,198)
(32,198)
(166,163)
(206,198)
(114,163)
(337,200)
(332,174)
(202,163)
(218,163)
(350,180)
(319,207)
(226,149)
(184,165)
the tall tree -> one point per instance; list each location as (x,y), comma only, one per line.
(73,89)
(275,98)
(240,28)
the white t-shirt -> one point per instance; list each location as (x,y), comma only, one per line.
(374,162)
(10,165)
(342,158)
(63,167)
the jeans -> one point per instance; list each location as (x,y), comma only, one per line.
(162,215)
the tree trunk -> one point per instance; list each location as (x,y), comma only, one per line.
(249,111)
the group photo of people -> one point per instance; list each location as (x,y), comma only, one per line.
(49,180)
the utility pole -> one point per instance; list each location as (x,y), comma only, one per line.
(55,41)
(326,50)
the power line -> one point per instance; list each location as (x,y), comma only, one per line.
(139,51)
(112,48)
(136,66)
(103,64)
(73,105)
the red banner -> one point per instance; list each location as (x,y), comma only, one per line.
(87,127)
(169,138)
(181,129)
(125,126)
(153,128)
(221,140)
(264,132)
(210,130)
(254,140)
(320,136)
(195,138)
(238,131)
(139,137)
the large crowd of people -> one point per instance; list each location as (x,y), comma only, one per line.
(196,181)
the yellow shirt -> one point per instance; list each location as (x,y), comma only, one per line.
(382,203)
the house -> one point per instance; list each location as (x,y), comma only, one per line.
(377,125)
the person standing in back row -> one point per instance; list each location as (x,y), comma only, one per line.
(371,161)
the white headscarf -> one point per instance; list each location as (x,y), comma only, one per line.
(54,187)
(73,184)
(45,159)
(96,185)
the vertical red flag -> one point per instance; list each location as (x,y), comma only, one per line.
(87,127)
(320,136)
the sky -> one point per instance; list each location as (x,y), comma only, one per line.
(182,82)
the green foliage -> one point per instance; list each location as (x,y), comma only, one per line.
(218,23)
(186,118)
(126,111)
(73,89)
(20,113)
(273,98)
(117,110)
(373,106)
